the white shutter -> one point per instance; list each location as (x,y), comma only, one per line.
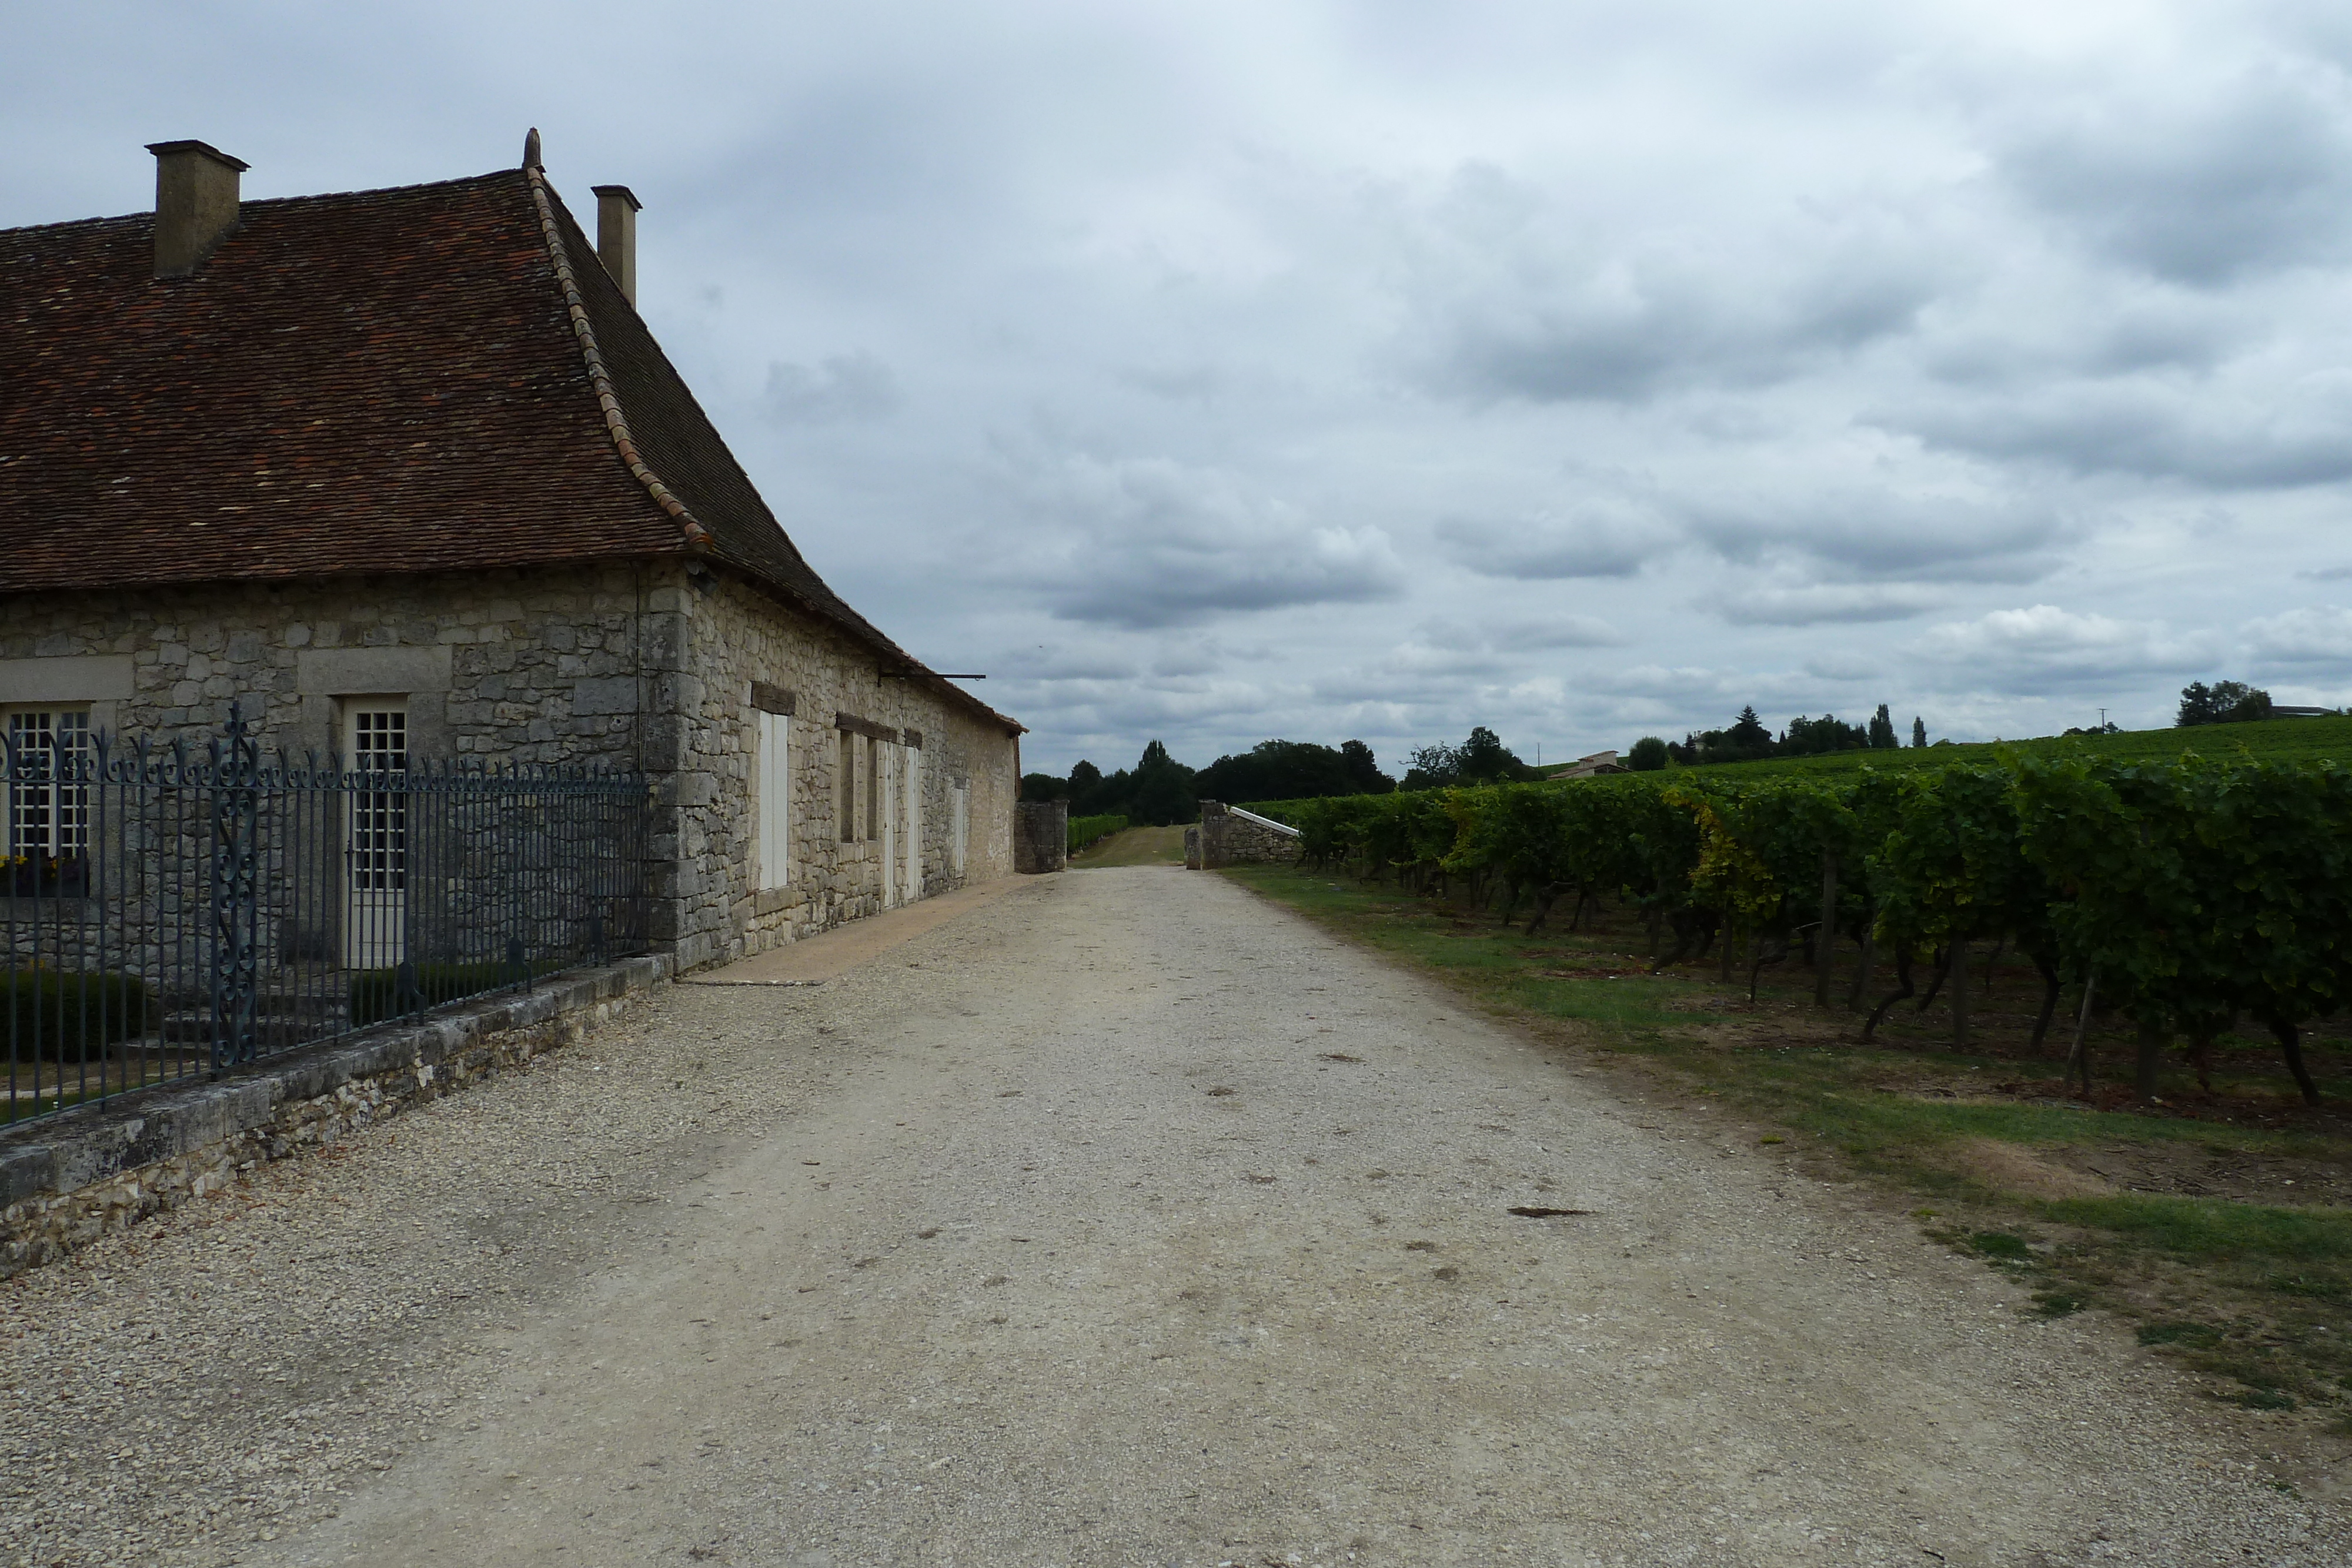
(773,781)
(910,842)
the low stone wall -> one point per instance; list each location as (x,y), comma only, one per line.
(1041,836)
(66,1181)
(1230,836)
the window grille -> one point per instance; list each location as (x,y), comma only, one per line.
(49,813)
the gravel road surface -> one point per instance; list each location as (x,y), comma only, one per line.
(1124,1220)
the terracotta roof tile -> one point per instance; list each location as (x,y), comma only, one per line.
(382,381)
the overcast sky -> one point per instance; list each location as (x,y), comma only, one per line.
(1216,371)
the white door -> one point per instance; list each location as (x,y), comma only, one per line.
(959,829)
(910,839)
(773,784)
(885,761)
(375,839)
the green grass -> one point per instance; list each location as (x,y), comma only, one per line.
(2239,1291)
(1134,846)
(2210,1230)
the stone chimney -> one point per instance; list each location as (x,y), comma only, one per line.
(616,236)
(195,203)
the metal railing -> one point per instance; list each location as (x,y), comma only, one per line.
(165,916)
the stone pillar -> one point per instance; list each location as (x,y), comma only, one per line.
(1041,836)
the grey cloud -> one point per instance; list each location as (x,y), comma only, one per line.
(1509,300)
(2318,634)
(2030,650)
(1822,603)
(1522,636)
(2255,177)
(2095,338)
(1178,383)
(1557,631)
(1151,543)
(1050,664)
(1548,549)
(1884,534)
(2293,435)
(1845,666)
(855,386)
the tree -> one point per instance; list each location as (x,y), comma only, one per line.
(1812,737)
(2223,702)
(1432,767)
(1648,755)
(1918,732)
(1042,787)
(1363,769)
(1882,730)
(1292,770)
(1481,759)
(1748,733)
(1163,788)
(1485,758)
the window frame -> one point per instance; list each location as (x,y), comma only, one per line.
(58,862)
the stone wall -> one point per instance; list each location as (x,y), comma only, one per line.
(67,1181)
(547,666)
(944,761)
(1232,837)
(1041,837)
(647,666)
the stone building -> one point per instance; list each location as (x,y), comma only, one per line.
(405,472)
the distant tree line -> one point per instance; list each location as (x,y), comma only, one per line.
(1481,759)
(1159,790)
(1748,739)
(2223,702)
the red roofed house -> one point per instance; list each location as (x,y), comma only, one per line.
(405,472)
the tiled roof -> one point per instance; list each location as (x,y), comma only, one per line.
(433,378)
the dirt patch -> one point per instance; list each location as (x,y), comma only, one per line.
(2194,1170)
(2026,1171)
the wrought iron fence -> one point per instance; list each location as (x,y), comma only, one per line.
(164,914)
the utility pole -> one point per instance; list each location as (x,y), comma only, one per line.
(2103,721)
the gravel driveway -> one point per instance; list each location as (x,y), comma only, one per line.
(1127,1220)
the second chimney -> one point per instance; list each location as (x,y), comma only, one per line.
(195,203)
(616,236)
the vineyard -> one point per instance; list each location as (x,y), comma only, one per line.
(2190,895)
(2091,1007)
(1086,832)
(2268,740)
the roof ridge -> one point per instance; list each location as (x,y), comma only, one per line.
(698,537)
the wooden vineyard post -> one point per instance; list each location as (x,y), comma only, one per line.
(2078,1058)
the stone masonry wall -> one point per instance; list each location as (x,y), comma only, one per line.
(1229,837)
(647,666)
(546,666)
(733,636)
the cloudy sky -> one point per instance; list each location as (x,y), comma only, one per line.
(1216,371)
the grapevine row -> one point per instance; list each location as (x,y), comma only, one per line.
(2192,895)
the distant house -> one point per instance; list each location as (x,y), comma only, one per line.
(1586,767)
(405,472)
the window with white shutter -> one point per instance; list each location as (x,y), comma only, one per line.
(772,771)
